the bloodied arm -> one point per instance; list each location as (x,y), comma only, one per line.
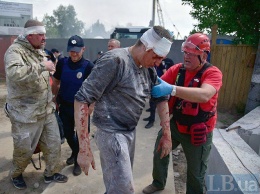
(85,156)
(165,144)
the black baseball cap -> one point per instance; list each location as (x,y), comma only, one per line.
(54,50)
(75,44)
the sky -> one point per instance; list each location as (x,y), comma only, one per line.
(120,12)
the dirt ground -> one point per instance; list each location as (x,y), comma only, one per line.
(34,177)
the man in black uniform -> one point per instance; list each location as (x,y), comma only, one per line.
(69,76)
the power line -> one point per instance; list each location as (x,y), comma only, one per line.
(160,15)
(167,15)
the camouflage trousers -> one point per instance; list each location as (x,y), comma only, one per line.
(26,136)
(116,157)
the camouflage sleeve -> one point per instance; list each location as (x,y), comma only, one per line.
(22,68)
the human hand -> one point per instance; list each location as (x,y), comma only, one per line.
(162,89)
(49,66)
(165,145)
(85,159)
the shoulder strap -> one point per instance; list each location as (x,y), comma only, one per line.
(181,76)
(202,70)
(199,74)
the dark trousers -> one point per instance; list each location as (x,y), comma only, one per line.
(196,156)
(152,112)
(67,118)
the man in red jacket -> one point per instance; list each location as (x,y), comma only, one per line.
(194,87)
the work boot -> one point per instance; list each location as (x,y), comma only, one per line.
(76,170)
(19,182)
(149,124)
(151,189)
(70,160)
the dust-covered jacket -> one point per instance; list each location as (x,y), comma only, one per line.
(119,89)
(29,92)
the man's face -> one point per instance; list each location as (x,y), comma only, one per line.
(151,59)
(76,56)
(38,41)
(111,45)
(191,61)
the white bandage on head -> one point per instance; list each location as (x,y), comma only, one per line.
(151,40)
(34,30)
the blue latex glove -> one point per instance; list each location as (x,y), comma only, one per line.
(162,89)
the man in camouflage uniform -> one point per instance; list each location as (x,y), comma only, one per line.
(29,105)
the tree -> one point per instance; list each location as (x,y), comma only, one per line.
(97,30)
(51,28)
(233,17)
(63,23)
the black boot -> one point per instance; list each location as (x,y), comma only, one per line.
(76,170)
(70,160)
(149,124)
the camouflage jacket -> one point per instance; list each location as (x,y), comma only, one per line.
(29,92)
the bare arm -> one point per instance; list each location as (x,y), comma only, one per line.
(55,88)
(85,156)
(199,95)
(193,94)
(165,143)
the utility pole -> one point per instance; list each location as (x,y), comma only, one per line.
(153,15)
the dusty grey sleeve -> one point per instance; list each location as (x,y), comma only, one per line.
(102,76)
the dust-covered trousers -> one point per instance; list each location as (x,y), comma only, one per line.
(196,156)
(26,136)
(117,156)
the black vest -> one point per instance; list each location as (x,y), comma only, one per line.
(188,113)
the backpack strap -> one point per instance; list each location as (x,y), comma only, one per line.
(181,76)
(199,74)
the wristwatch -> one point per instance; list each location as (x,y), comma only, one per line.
(173,90)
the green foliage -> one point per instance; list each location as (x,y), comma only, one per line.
(233,17)
(51,29)
(63,23)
